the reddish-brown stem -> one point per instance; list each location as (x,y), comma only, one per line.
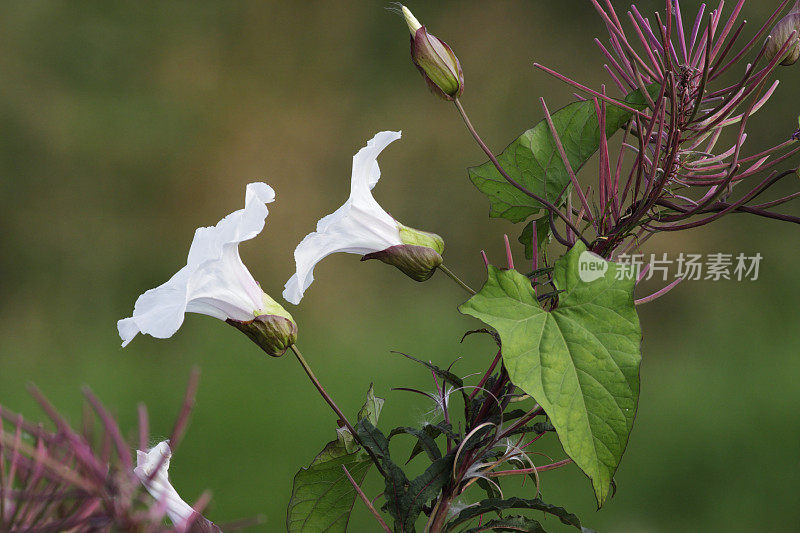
(543,468)
(332,404)
(366,500)
(486,375)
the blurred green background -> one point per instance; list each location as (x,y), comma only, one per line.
(126,125)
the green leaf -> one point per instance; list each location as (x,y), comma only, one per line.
(371,410)
(372,407)
(580,362)
(491,490)
(499,505)
(542,235)
(425,488)
(322,496)
(424,437)
(434,431)
(446,375)
(404,498)
(512,523)
(534,162)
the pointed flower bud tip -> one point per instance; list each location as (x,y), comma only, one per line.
(411,20)
(273,329)
(435,60)
(787,28)
(418,257)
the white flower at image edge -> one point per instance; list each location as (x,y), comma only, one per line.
(360,226)
(214,281)
(158,484)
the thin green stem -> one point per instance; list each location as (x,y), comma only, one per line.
(329,400)
(456,279)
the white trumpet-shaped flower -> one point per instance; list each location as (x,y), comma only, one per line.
(214,281)
(152,469)
(361,226)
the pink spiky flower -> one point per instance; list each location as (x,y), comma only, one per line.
(679,179)
(69,480)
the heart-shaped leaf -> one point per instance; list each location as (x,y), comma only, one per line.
(580,361)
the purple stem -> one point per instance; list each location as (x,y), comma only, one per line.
(509,256)
(366,500)
(488,373)
(544,468)
(572,177)
(658,294)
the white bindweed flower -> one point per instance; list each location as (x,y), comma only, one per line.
(362,227)
(216,283)
(152,469)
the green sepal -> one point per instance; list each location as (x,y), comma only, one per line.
(271,307)
(417,237)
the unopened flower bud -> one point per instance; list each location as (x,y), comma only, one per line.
(781,33)
(418,256)
(435,60)
(273,329)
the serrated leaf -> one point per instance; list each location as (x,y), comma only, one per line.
(490,488)
(446,375)
(512,523)
(498,505)
(533,161)
(322,496)
(434,430)
(404,498)
(580,361)
(424,439)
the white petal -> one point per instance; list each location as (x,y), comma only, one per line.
(360,226)
(127,330)
(365,162)
(214,281)
(157,460)
(224,288)
(241,225)
(158,312)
